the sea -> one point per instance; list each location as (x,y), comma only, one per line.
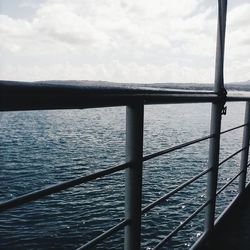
(42,148)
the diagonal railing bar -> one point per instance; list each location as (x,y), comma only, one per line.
(231,156)
(184,223)
(80,180)
(168,195)
(59,187)
(151,156)
(104,235)
(230,181)
(231,129)
(183,145)
(171,193)
(62,186)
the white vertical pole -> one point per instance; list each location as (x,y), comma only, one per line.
(215,126)
(244,154)
(134,154)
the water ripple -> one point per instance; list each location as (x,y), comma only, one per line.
(41,148)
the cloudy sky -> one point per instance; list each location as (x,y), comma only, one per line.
(121,40)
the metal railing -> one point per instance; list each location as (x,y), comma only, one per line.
(134,168)
(37,96)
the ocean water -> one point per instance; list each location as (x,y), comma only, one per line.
(41,148)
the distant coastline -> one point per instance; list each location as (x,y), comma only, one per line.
(233,86)
(237,86)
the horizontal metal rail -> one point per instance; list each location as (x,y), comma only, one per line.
(238,97)
(174,191)
(104,235)
(181,225)
(74,95)
(59,187)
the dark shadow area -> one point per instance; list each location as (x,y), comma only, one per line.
(233,232)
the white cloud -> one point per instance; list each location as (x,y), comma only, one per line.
(117,40)
(60,22)
(12,31)
(237,51)
(239,16)
(113,71)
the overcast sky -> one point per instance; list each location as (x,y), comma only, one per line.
(121,40)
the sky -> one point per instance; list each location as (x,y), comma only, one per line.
(141,41)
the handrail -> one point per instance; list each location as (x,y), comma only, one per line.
(231,97)
(76,95)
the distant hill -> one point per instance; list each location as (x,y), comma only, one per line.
(239,86)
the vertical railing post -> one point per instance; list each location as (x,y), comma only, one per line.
(133,185)
(244,153)
(215,126)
